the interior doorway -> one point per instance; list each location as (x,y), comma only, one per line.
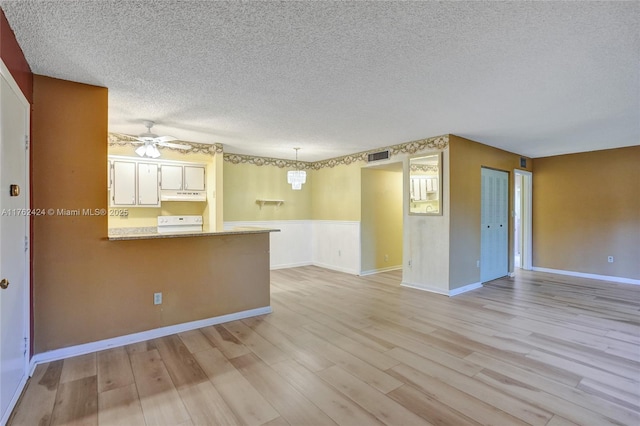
(522,247)
(381,218)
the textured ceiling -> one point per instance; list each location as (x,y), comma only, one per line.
(334,78)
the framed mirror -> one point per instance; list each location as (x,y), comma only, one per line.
(425,184)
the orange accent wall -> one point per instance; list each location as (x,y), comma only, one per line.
(466,161)
(87,288)
(586,207)
(14,59)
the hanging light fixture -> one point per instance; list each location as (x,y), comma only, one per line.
(296,177)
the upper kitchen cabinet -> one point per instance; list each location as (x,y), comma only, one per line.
(194,178)
(148,185)
(123,183)
(133,184)
(171,177)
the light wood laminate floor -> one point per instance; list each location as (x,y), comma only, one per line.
(537,349)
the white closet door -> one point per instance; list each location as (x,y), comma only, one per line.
(494,235)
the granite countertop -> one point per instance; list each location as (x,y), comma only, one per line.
(147,233)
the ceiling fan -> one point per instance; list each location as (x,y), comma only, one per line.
(151,142)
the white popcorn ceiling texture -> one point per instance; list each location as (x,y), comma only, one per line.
(335,78)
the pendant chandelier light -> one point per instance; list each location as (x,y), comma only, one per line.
(296,177)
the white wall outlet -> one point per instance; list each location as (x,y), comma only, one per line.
(157,298)
(386,257)
(339,253)
(409,263)
(610,259)
(477,263)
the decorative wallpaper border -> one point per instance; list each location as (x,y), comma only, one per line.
(435,143)
(117,139)
(267,161)
(424,168)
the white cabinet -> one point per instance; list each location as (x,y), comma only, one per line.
(146,182)
(171,177)
(148,185)
(134,184)
(194,178)
(123,183)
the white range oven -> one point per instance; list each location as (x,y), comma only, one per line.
(188,223)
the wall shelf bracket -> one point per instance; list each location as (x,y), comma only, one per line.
(262,202)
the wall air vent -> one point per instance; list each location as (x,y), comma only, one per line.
(377,156)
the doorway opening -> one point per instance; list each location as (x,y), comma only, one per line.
(381,218)
(522,242)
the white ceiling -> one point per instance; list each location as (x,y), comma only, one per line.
(335,78)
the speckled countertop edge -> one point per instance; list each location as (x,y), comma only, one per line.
(143,234)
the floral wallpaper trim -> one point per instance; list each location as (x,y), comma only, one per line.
(267,161)
(424,168)
(435,143)
(196,148)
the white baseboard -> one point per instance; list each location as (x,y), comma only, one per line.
(377,271)
(335,268)
(590,276)
(465,288)
(424,287)
(128,339)
(290,265)
(438,290)
(14,400)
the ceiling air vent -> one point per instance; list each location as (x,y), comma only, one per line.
(377,156)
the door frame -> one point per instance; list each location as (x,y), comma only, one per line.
(526,195)
(6,74)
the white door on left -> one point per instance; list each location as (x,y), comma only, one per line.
(14,229)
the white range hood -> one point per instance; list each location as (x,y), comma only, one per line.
(182,195)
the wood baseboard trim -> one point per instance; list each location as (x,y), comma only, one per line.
(621,280)
(128,339)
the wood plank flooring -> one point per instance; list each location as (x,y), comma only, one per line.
(538,349)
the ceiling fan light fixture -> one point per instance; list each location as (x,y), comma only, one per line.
(141,150)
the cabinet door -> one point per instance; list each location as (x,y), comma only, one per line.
(148,188)
(123,186)
(194,178)
(171,177)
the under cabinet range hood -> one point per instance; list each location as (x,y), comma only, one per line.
(182,195)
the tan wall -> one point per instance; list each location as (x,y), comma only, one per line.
(381,224)
(466,160)
(586,207)
(86,288)
(336,193)
(245,183)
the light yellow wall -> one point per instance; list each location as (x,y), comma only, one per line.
(466,161)
(147,216)
(245,183)
(336,192)
(586,207)
(381,224)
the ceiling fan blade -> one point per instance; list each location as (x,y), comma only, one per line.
(173,145)
(165,139)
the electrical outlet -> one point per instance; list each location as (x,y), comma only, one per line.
(409,263)
(477,263)
(157,298)
(610,259)
(386,257)
(339,253)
